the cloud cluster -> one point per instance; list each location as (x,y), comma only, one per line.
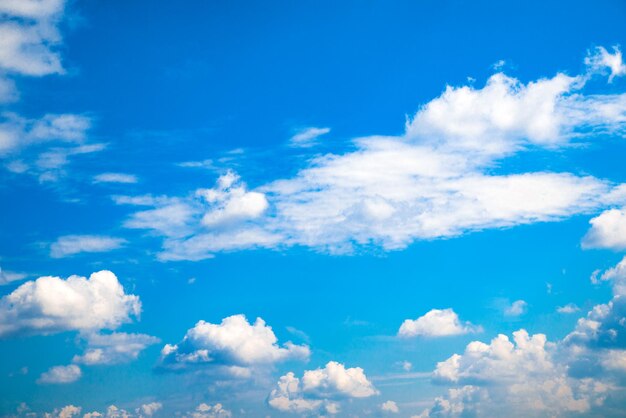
(209,411)
(439,179)
(235,346)
(530,377)
(320,389)
(50,304)
(436,323)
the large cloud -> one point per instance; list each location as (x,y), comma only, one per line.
(320,389)
(235,345)
(438,179)
(50,304)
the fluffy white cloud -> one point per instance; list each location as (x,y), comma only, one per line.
(307,137)
(115,178)
(607,231)
(234,342)
(516,308)
(320,389)
(439,179)
(68,411)
(75,244)
(570,308)
(117,347)
(389,406)
(436,323)
(520,378)
(50,304)
(61,374)
(209,411)
(149,409)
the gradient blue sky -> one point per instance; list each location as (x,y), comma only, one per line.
(383,183)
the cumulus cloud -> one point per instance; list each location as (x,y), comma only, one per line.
(608,230)
(149,409)
(436,323)
(439,179)
(570,308)
(114,348)
(115,178)
(235,345)
(60,375)
(209,411)
(516,308)
(50,304)
(307,137)
(68,411)
(320,389)
(69,245)
(389,406)
(517,378)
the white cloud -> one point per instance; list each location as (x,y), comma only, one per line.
(50,304)
(17,132)
(439,179)
(570,308)
(7,277)
(69,245)
(608,230)
(516,308)
(520,378)
(233,342)
(115,178)
(600,60)
(68,411)
(389,406)
(60,375)
(320,389)
(149,409)
(114,348)
(29,37)
(436,323)
(307,137)
(209,411)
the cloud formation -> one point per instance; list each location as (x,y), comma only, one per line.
(307,137)
(69,245)
(436,323)
(608,230)
(60,375)
(234,345)
(320,389)
(437,180)
(114,348)
(50,305)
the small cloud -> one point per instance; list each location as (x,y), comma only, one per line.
(517,308)
(307,137)
(206,164)
(60,375)
(600,60)
(498,65)
(406,365)
(7,277)
(299,334)
(115,178)
(436,323)
(568,309)
(389,406)
(192,280)
(74,244)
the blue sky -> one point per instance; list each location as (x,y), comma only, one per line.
(224,209)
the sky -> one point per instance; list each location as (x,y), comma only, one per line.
(312,209)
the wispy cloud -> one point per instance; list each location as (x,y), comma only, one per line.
(69,245)
(307,137)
